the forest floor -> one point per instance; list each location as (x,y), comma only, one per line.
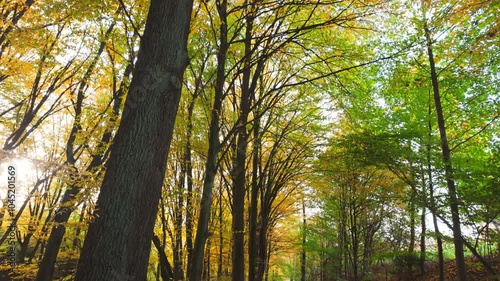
(475,271)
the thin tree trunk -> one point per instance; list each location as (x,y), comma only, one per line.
(189,173)
(261,269)
(303,256)
(46,266)
(478,256)
(355,241)
(195,270)
(439,239)
(411,246)
(118,241)
(178,219)
(239,178)
(239,190)
(165,267)
(46,180)
(423,224)
(221,237)
(253,237)
(206,267)
(266,263)
(473,250)
(35,103)
(78,230)
(422,240)
(448,167)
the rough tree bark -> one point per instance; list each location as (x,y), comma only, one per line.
(118,241)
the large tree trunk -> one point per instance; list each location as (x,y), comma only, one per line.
(448,167)
(118,241)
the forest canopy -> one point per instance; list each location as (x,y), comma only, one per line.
(313,140)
